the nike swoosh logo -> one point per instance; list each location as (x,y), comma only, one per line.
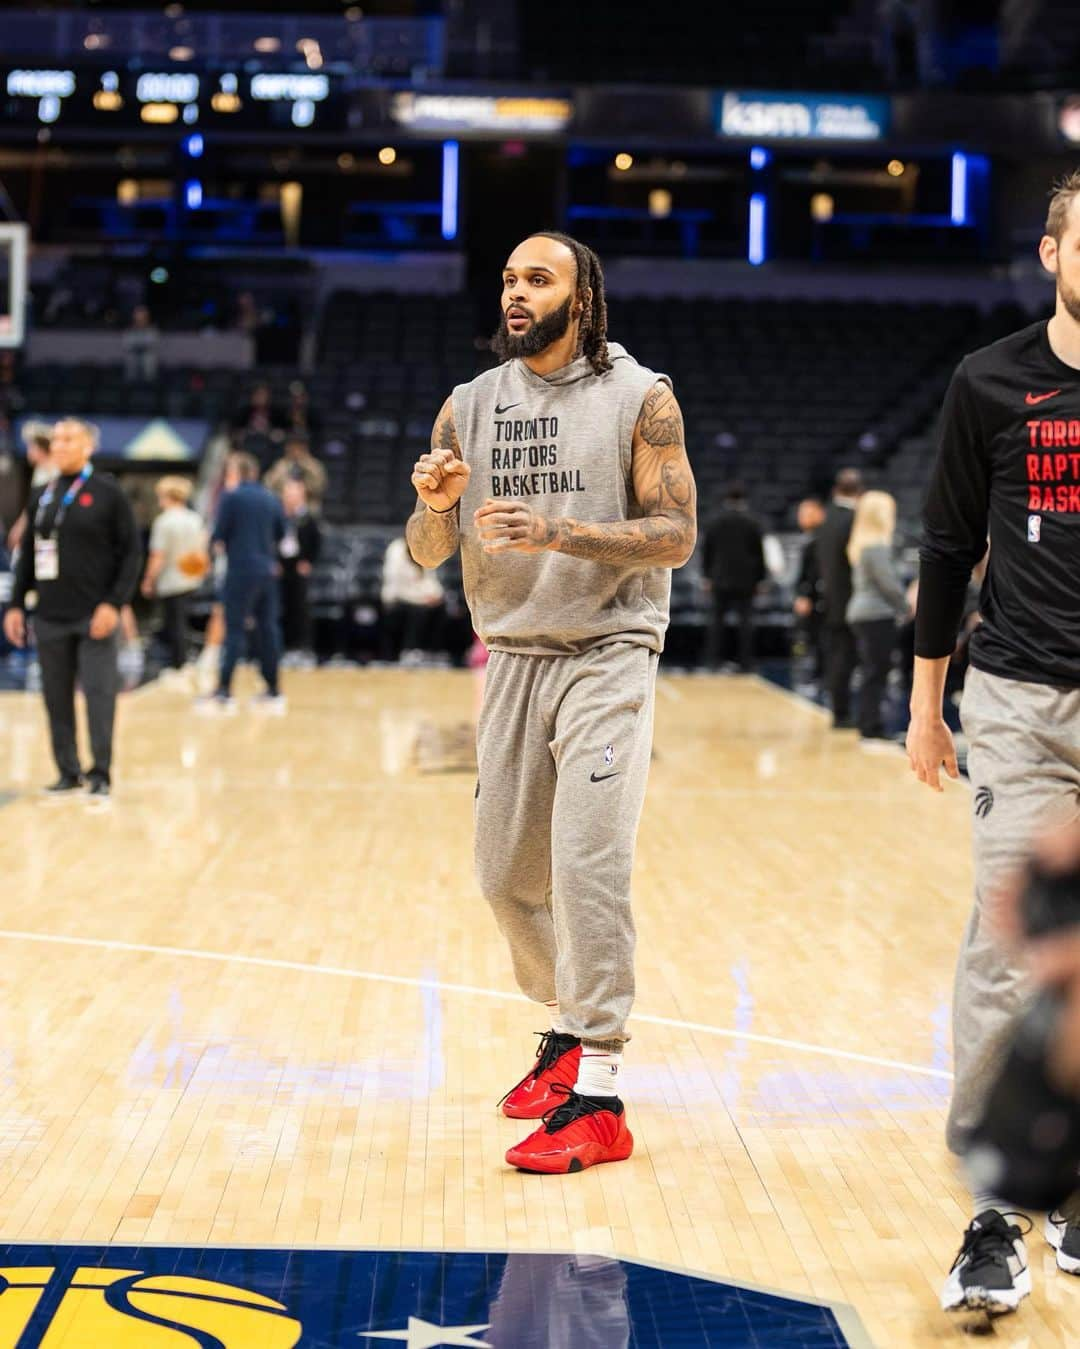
(594,778)
(1034,398)
(500,410)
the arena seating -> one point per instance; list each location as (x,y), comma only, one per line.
(778,394)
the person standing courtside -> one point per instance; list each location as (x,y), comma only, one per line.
(878,602)
(563,476)
(807,606)
(298,552)
(1003,467)
(835,572)
(81,554)
(734,566)
(177,563)
(250,525)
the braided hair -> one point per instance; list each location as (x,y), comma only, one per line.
(590,276)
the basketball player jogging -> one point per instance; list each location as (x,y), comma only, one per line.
(562,475)
(1008,465)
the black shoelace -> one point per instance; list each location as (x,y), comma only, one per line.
(992,1242)
(576,1107)
(551,1048)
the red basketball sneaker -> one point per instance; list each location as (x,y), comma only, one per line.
(557,1059)
(579,1132)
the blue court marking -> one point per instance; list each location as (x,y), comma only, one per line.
(329,1299)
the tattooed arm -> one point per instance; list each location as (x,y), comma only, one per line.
(440,477)
(663,484)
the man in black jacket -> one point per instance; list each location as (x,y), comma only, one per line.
(81,553)
(807,606)
(734,566)
(835,572)
(298,550)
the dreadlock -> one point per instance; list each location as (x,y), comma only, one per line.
(590,276)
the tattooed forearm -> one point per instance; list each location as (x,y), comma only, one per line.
(432,538)
(654,541)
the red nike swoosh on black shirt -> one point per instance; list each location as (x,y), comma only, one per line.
(1034,398)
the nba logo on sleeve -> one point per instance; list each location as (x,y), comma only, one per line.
(1034,528)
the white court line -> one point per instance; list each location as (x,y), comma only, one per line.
(437,985)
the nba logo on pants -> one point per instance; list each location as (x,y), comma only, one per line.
(1034,528)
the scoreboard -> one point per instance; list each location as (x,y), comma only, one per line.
(124,100)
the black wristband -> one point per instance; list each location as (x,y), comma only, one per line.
(445,512)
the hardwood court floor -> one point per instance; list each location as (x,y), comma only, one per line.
(257,1000)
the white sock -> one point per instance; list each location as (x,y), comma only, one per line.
(986,1199)
(598,1073)
(556,1023)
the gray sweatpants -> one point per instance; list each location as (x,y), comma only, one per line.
(563,751)
(1024,766)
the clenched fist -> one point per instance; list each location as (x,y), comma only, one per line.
(440,478)
(513,527)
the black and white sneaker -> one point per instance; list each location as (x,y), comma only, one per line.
(990,1272)
(97,785)
(1063,1233)
(63,785)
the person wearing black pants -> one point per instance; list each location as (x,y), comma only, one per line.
(298,551)
(250,526)
(834,570)
(81,554)
(878,599)
(734,566)
(177,563)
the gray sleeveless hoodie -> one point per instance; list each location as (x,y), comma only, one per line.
(560,443)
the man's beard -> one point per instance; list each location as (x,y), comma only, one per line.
(1069,298)
(507,345)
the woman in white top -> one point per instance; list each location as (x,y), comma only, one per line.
(179,559)
(413,605)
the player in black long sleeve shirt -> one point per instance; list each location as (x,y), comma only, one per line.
(1008,466)
(1007,476)
(81,554)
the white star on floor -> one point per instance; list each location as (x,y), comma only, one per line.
(425,1335)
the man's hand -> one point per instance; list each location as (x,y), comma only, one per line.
(303,568)
(15,627)
(440,479)
(507,527)
(929,745)
(803,606)
(104,621)
(147,588)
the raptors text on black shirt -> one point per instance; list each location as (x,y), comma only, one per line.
(1007,468)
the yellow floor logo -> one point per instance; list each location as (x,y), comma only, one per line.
(127,1309)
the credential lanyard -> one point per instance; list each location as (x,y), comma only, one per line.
(65,501)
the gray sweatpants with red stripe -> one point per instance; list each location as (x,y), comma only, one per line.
(1024,766)
(563,750)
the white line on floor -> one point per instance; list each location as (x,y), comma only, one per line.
(265,962)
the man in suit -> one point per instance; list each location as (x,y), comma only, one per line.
(835,572)
(734,565)
(807,606)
